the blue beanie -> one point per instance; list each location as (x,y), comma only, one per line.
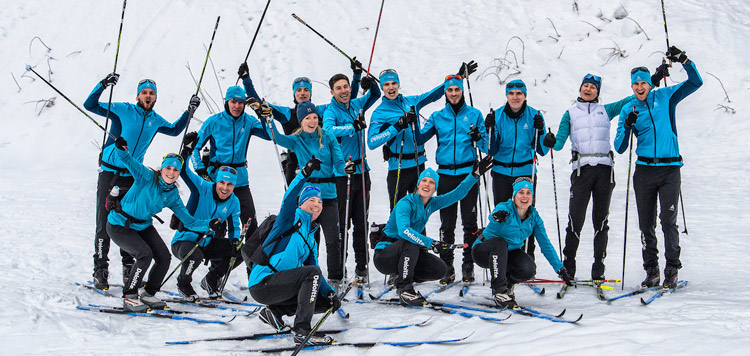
(640,75)
(309,192)
(305,108)
(389,76)
(301,82)
(172,160)
(429,173)
(453,81)
(236,93)
(147,84)
(592,79)
(517,84)
(520,185)
(226,175)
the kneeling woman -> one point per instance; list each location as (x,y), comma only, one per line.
(499,247)
(289,281)
(405,253)
(129,224)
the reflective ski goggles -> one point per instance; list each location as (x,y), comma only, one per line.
(596,78)
(147,81)
(228,169)
(453,76)
(301,79)
(639,69)
(514,85)
(173,155)
(388,71)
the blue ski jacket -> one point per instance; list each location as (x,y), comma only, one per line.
(296,250)
(132,123)
(382,131)
(229,139)
(656,128)
(455,154)
(410,215)
(512,144)
(515,231)
(148,196)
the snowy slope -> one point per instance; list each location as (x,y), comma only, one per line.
(49,155)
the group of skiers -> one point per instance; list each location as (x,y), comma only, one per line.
(329,186)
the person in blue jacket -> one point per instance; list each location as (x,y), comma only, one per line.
(514,136)
(500,246)
(229,133)
(138,124)
(292,283)
(404,252)
(301,91)
(308,141)
(587,123)
(344,118)
(208,200)
(651,118)
(460,131)
(129,224)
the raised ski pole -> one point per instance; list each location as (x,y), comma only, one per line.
(269,121)
(257,30)
(233,260)
(554,189)
(203,71)
(112,89)
(377,28)
(627,201)
(323,37)
(28,68)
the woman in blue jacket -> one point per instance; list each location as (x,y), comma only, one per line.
(404,253)
(308,141)
(130,227)
(291,283)
(500,246)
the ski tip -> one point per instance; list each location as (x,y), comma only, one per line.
(562,313)
(643,301)
(577,320)
(542,292)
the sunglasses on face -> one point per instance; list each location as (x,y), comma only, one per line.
(147,81)
(174,155)
(638,69)
(453,76)
(228,169)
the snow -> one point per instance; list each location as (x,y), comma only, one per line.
(49,156)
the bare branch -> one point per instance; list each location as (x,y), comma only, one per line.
(514,57)
(49,68)
(722,87)
(639,26)
(561,52)
(615,52)
(42,42)
(48,103)
(553,27)
(575,7)
(727,109)
(523,48)
(590,24)
(14,79)
(73,53)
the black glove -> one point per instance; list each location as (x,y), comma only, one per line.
(110,80)
(235,244)
(402,123)
(311,166)
(674,54)
(660,73)
(367,83)
(195,102)
(489,121)
(334,301)
(482,166)
(356,67)
(243,72)
(439,247)
(538,122)
(350,168)
(214,224)
(630,120)
(500,216)
(549,140)
(474,134)
(563,274)
(467,69)
(203,173)
(359,123)
(191,138)
(121,143)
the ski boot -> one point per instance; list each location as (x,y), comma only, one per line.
(670,277)
(101,276)
(652,277)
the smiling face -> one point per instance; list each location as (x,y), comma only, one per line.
(523,199)
(641,89)
(390,90)
(312,206)
(310,123)
(224,189)
(146,99)
(341,91)
(169,174)
(516,99)
(426,187)
(236,107)
(453,94)
(588,92)
(302,94)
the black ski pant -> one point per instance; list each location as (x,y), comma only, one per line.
(293,292)
(145,245)
(357,216)
(593,181)
(411,262)
(406,182)
(247,208)
(650,183)
(329,222)
(506,267)
(502,190)
(448,217)
(218,251)
(290,166)
(104,184)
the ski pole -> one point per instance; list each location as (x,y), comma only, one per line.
(554,189)
(627,201)
(345,247)
(233,260)
(257,30)
(362,155)
(269,121)
(200,80)
(682,207)
(112,88)
(377,28)
(398,171)
(183,260)
(28,68)
(323,37)
(484,179)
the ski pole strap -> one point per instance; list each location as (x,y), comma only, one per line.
(512,164)
(322,180)
(455,166)
(233,165)
(387,154)
(658,160)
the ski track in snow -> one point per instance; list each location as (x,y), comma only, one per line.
(49,159)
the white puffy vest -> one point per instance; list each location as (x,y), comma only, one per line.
(589,134)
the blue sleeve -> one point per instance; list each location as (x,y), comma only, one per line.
(563,131)
(175,204)
(235,224)
(450,198)
(250,89)
(285,217)
(547,249)
(175,128)
(329,124)
(92,104)
(403,224)
(372,96)
(613,109)
(282,140)
(192,181)
(481,144)
(379,132)
(337,158)
(281,114)
(356,79)
(259,130)
(426,133)
(429,97)
(622,139)
(540,147)
(682,90)
(138,170)
(203,134)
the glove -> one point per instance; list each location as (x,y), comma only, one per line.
(563,274)
(110,80)
(359,124)
(402,123)
(255,105)
(311,166)
(357,68)
(660,73)
(467,69)
(191,138)
(334,301)
(439,247)
(214,224)
(674,54)
(121,143)
(195,102)
(350,168)
(500,216)
(265,109)
(482,166)
(549,140)
(474,134)
(632,117)
(367,83)
(538,122)
(243,72)
(235,244)
(489,121)
(203,173)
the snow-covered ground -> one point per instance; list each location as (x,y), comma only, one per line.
(49,155)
